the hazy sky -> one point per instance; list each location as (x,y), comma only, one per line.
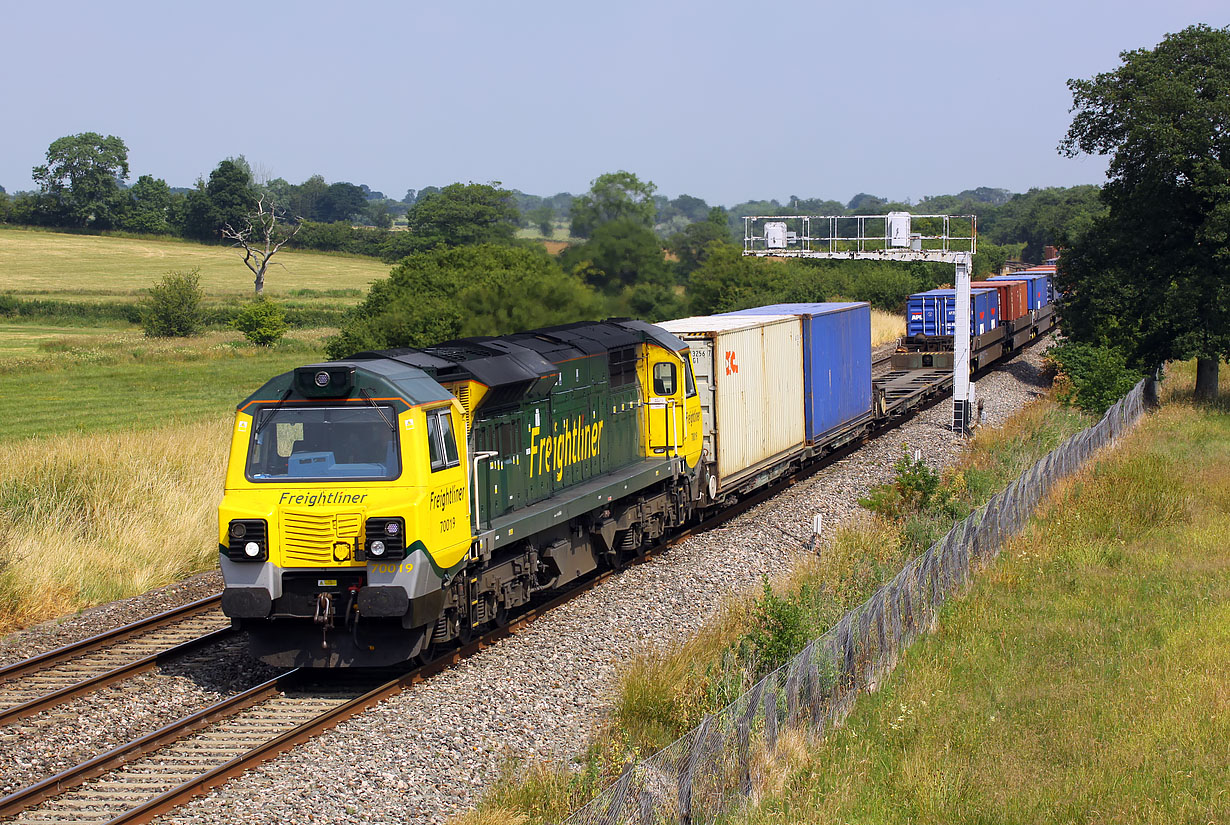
(725,101)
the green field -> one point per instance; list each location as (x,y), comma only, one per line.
(36,264)
(61,379)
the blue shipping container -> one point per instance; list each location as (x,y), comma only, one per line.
(1039,286)
(836,361)
(935,312)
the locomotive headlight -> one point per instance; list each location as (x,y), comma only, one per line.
(251,549)
(322,379)
(392,528)
(376,548)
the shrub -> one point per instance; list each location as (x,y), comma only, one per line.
(915,487)
(262,322)
(1090,377)
(173,307)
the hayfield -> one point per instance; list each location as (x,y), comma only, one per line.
(37,264)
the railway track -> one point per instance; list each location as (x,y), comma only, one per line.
(160,771)
(34,685)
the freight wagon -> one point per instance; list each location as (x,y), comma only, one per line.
(836,366)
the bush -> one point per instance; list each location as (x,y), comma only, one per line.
(915,488)
(173,307)
(262,322)
(1091,378)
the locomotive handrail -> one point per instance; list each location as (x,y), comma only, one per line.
(485,455)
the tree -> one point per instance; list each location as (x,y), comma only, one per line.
(613,196)
(149,204)
(1152,276)
(447,293)
(82,177)
(622,253)
(542,217)
(227,198)
(461,214)
(341,202)
(260,234)
(692,244)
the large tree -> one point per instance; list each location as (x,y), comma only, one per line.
(484,289)
(229,197)
(463,213)
(1153,275)
(82,178)
(614,196)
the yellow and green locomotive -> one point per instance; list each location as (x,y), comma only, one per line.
(382,505)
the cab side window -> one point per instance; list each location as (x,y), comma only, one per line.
(441,441)
(689,381)
(663,378)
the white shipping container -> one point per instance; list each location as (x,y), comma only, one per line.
(749,374)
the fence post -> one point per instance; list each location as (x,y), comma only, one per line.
(770,717)
(689,769)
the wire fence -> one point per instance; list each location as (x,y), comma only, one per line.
(719,762)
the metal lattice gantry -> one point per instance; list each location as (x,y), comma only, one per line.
(897,236)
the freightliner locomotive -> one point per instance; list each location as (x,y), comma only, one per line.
(383,506)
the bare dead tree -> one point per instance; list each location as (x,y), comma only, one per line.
(264,233)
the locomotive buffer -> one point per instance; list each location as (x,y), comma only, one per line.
(950,239)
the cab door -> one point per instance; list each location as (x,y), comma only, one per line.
(666,419)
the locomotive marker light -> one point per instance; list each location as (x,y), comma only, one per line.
(882,238)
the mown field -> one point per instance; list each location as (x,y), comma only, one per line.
(39,264)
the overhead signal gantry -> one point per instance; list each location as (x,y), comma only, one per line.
(950,239)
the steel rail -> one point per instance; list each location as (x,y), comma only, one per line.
(108,638)
(125,671)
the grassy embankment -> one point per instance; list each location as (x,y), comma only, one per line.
(1084,679)
(664,693)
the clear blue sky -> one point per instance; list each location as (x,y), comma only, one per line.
(725,101)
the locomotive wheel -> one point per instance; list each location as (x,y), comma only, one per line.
(501,615)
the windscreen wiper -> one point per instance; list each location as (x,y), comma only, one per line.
(367,396)
(260,426)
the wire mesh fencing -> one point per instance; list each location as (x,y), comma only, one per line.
(730,753)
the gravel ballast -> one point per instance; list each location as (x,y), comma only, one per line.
(428,753)
(67,630)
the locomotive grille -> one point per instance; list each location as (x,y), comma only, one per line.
(308,538)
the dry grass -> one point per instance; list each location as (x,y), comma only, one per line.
(93,267)
(886,326)
(91,518)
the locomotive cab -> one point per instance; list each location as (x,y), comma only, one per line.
(346,495)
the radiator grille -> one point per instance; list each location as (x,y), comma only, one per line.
(308,538)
